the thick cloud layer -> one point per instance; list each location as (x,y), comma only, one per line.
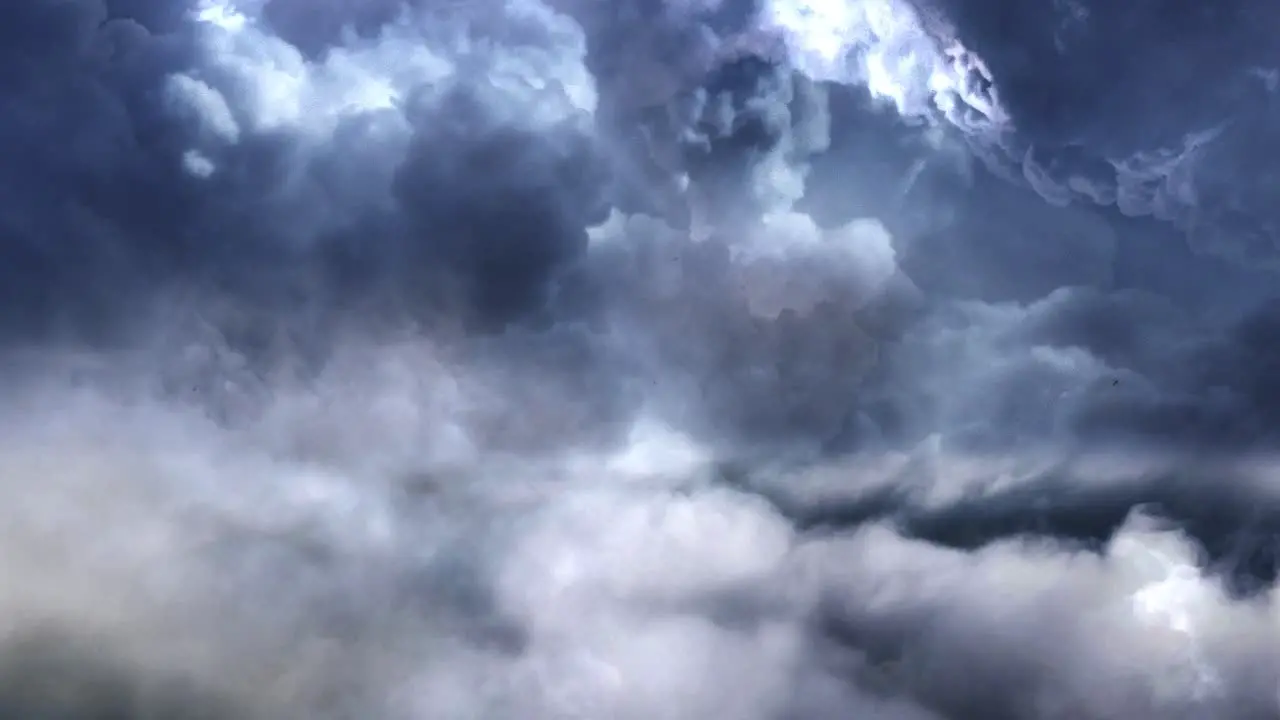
(554,359)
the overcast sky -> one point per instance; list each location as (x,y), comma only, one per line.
(639,359)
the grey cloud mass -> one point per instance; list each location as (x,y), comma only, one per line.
(638,359)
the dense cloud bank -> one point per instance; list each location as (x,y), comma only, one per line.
(743,359)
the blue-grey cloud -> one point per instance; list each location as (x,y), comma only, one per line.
(759,359)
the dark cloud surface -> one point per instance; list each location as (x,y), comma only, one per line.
(677,359)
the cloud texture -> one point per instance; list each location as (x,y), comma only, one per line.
(548,359)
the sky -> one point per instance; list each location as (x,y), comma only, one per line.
(639,359)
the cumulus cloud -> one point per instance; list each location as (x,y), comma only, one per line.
(754,360)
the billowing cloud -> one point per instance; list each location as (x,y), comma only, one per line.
(759,360)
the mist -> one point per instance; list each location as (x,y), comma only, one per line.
(674,359)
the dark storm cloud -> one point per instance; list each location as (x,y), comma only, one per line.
(1154,108)
(86,170)
(146,148)
(794,398)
